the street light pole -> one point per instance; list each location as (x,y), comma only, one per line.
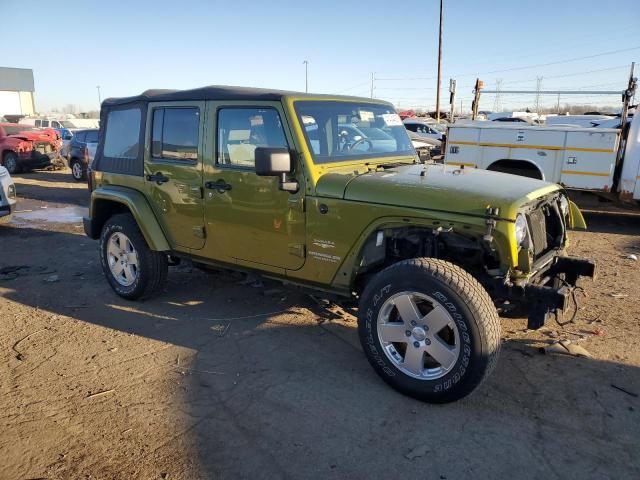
(306,76)
(99,97)
(439,65)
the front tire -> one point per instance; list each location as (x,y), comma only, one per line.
(78,171)
(133,270)
(11,163)
(429,329)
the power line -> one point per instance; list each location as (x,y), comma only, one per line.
(513,69)
(353,88)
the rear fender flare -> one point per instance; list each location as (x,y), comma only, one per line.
(139,207)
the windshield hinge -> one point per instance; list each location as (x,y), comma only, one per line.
(296,203)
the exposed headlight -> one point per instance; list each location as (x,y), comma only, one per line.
(564,205)
(521,229)
(12,191)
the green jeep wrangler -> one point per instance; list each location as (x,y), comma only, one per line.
(327,193)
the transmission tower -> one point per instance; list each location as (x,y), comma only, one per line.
(538,88)
(497,107)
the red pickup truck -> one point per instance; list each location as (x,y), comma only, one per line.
(23,148)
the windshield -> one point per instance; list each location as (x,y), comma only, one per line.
(13,130)
(339,131)
(67,124)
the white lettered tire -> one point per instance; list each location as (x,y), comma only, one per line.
(429,329)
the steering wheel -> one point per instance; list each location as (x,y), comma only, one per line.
(362,140)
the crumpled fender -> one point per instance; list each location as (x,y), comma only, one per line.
(576,220)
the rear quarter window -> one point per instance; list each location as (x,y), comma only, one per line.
(122,138)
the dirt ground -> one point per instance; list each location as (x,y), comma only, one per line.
(219,379)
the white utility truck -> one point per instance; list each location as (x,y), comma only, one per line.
(596,159)
(579,158)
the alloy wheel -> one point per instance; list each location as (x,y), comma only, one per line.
(123,259)
(418,335)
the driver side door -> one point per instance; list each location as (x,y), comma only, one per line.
(251,221)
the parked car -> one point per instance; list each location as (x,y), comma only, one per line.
(65,135)
(427,250)
(82,149)
(21,150)
(427,148)
(425,128)
(7,195)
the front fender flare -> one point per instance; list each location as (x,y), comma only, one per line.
(576,220)
(139,207)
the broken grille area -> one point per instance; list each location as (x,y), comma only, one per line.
(546,228)
(43,147)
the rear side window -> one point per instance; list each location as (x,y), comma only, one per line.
(175,133)
(45,123)
(38,123)
(242,130)
(123,133)
(92,136)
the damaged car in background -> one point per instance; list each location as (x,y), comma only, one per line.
(24,148)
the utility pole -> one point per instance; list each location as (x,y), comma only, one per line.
(476,99)
(558,106)
(99,97)
(538,88)
(306,76)
(373,79)
(452,99)
(439,65)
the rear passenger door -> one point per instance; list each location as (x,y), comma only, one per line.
(173,170)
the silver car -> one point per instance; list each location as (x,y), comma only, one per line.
(7,195)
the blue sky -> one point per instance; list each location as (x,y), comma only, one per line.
(129,46)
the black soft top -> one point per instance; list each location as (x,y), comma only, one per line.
(216,92)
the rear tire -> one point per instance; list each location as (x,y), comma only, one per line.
(429,329)
(133,270)
(78,171)
(11,163)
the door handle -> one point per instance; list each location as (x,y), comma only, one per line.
(220,186)
(158,177)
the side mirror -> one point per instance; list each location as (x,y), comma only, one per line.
(276,162)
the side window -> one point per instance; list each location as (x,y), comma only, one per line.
(412,127)
(55,124)
(123,134)
(38,123)
(92,136)
(242,130)
(175,133)
(45,123)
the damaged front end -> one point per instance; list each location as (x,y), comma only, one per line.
(544,283)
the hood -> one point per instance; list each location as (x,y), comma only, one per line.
(33,136)
(445,188)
